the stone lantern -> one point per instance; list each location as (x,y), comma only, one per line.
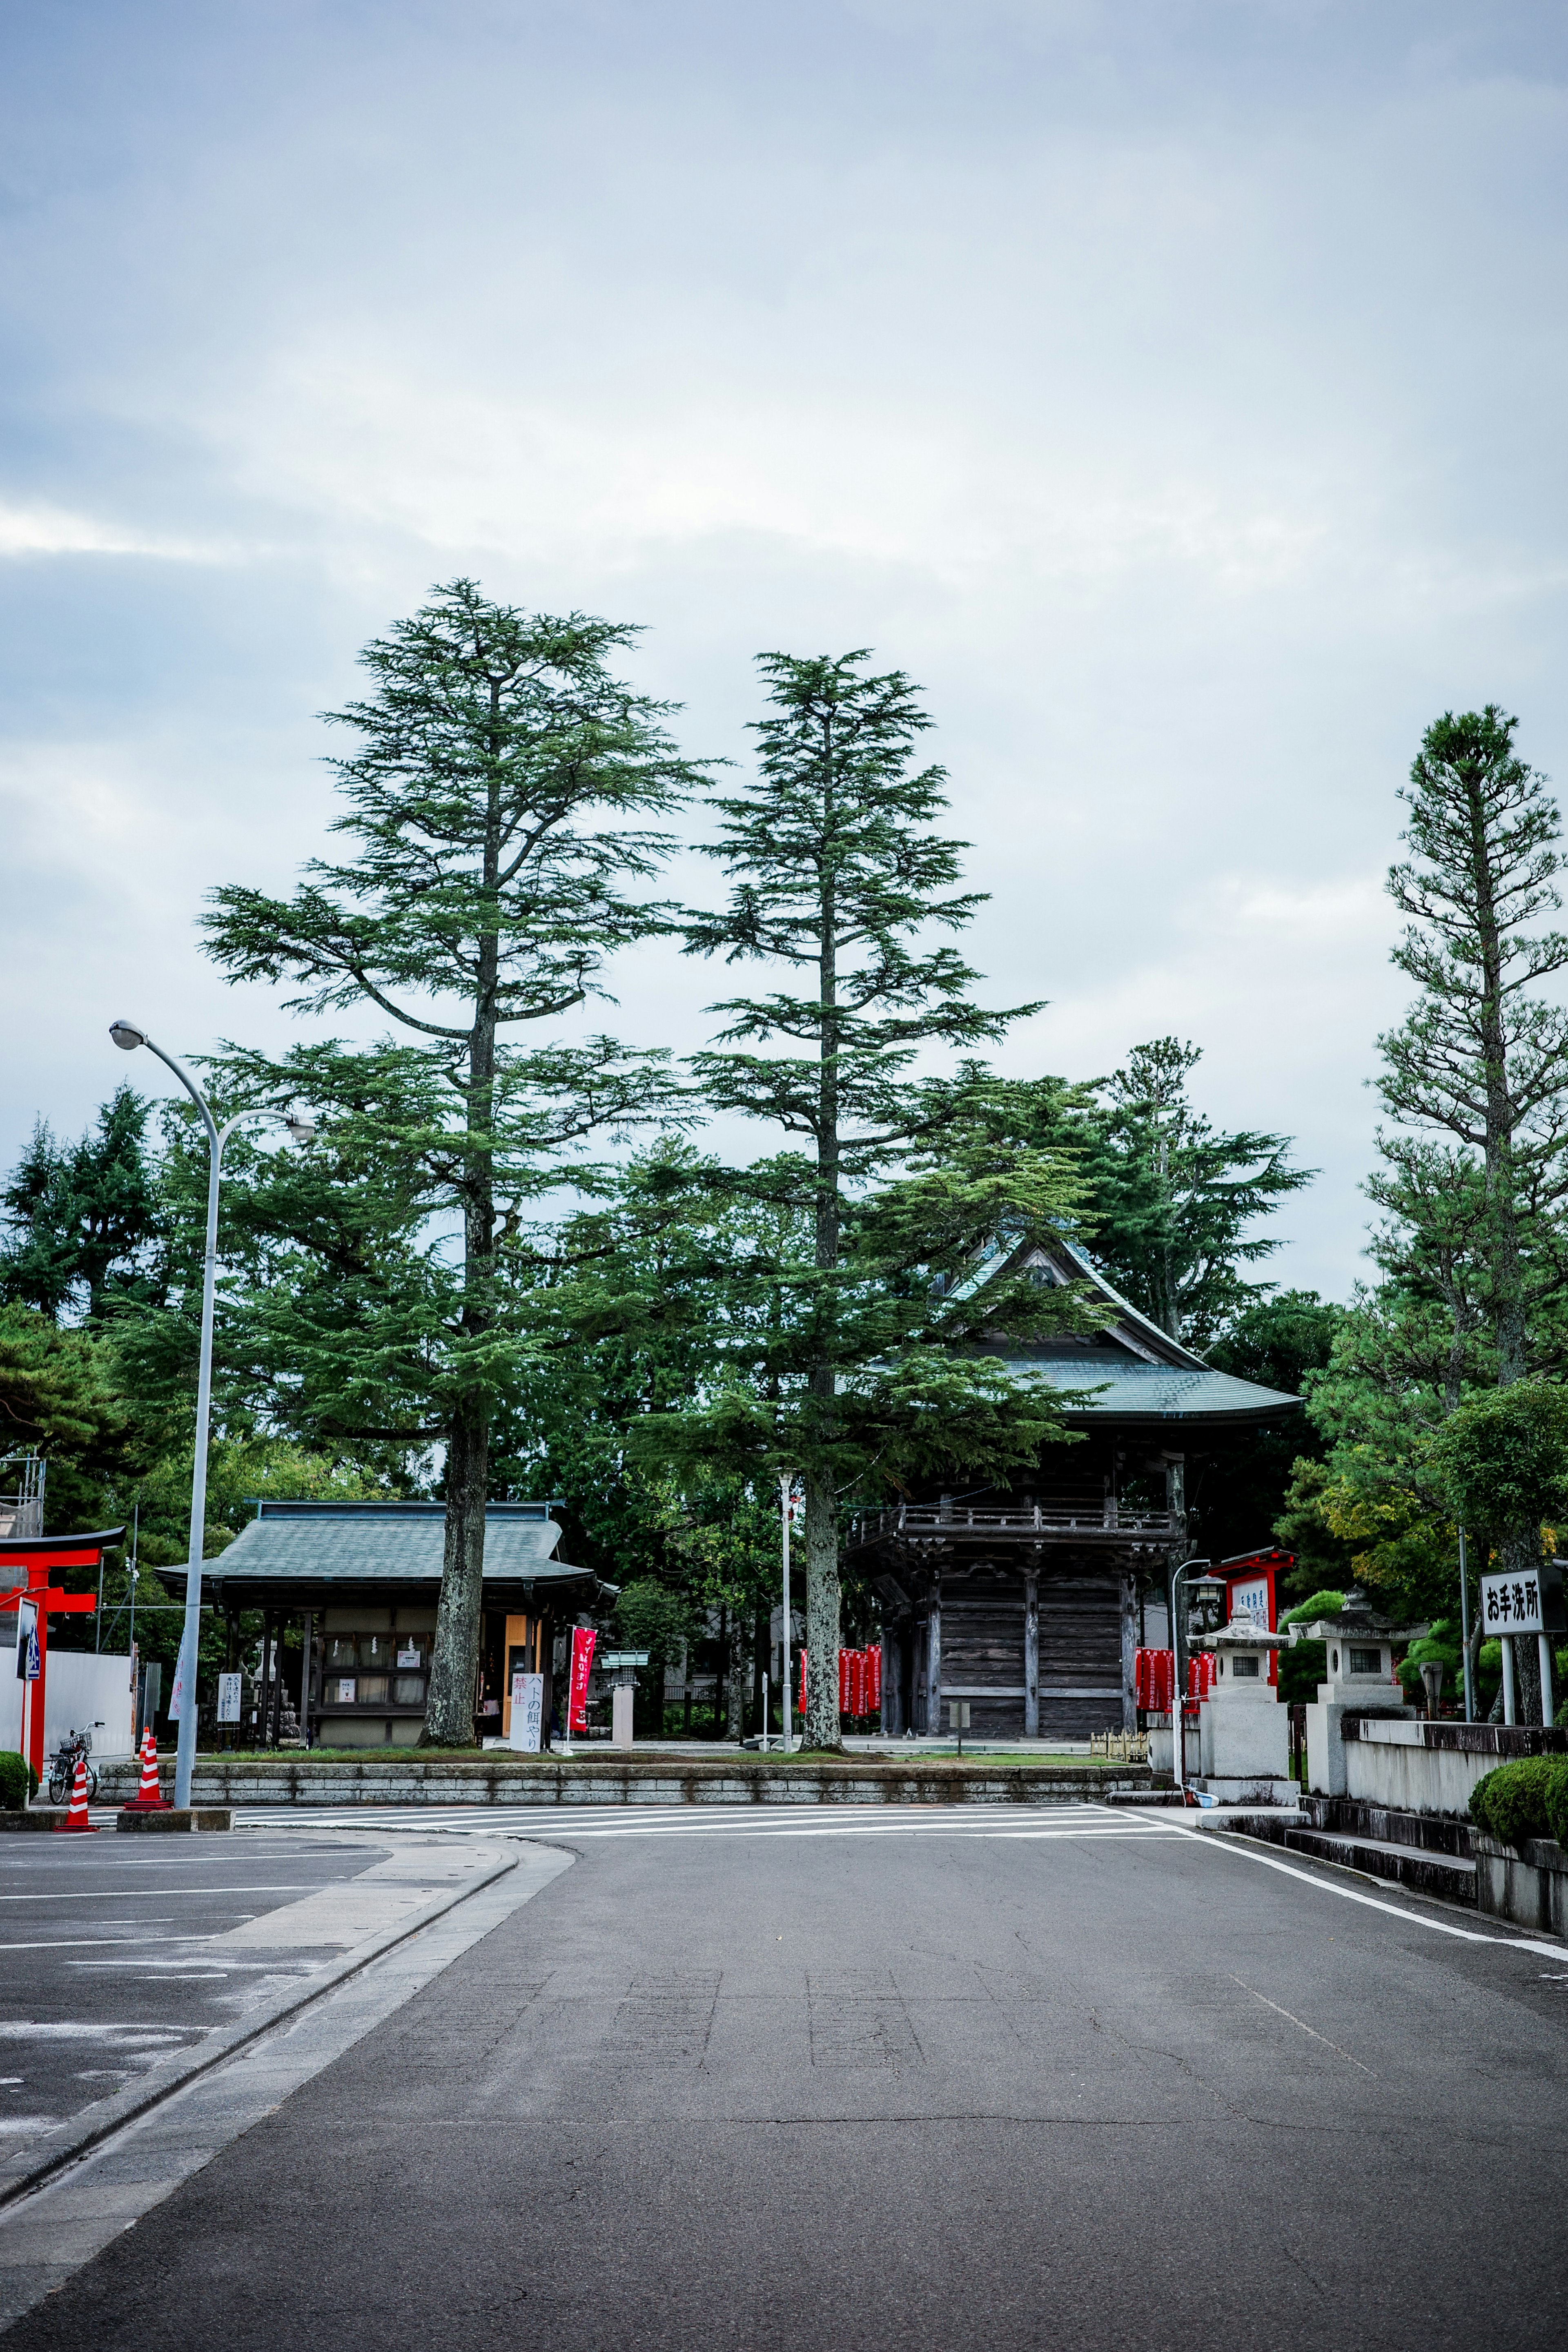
(1243,1731)
(1360,1681)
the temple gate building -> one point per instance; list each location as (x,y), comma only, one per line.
(1029,1600)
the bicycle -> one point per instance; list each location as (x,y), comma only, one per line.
(63,1766)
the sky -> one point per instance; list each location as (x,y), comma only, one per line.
(1174,388)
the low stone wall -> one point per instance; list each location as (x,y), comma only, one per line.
(1527,1884)
(1416,1767)
(504,1778)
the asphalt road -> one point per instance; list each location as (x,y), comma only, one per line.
(113,1950)
(1077,2085)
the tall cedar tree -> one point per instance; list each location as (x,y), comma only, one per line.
(836,876)
(1479,1055)
(498,795)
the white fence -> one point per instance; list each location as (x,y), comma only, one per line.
(83,1688)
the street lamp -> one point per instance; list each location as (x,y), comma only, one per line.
(301,1128)
(1178,1758)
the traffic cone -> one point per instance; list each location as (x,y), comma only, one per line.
(77,1817)
(149,1796)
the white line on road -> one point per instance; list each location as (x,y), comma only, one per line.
(1246,1852)
(117,1894)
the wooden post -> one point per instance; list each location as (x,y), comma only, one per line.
(305,1678)
(1129,1650)
(1031,1657)
(891,1693)
(934,1660)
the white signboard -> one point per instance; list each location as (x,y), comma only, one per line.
(29,1662)
(228,1698)
(528,1711)
(1511,1604)
(1249,1597)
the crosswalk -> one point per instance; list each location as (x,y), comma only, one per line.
(574,1824)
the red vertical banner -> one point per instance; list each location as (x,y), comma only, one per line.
(803,1657)
(583,1638)
(844,1682)
(874,1679)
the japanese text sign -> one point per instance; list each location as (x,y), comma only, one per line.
(1530,1603)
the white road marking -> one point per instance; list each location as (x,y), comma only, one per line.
(115,1893)
(85,1943)
(1352,1895)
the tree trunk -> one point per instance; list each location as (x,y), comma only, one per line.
(823,1728)
(454,1661)
(455,1657)
(734,1686)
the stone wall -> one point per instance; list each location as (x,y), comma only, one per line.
(505,1778)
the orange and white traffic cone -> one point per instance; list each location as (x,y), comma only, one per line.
(149,1796)
(77,1817)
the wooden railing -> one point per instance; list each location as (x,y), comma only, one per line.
(1091,1515)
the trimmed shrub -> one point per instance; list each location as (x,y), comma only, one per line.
(18,1781)
(1515,1802)
(1557,1802)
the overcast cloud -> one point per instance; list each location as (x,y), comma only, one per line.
(1177,391)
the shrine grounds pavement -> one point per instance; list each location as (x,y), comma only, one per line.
(1056,2079)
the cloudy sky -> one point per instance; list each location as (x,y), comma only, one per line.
(1175,388)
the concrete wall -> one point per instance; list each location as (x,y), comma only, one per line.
(81,1687)
(1527,1884)
(1420,1768)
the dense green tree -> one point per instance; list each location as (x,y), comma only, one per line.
(1174,1199)
(1240,1491)
(499,794)
(840,885)
(83,1219)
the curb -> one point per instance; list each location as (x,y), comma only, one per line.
(109,2116)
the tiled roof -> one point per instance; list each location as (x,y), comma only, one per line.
(385,1543)
(1134,1391)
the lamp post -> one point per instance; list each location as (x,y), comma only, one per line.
(1178,1757)
(127,1035)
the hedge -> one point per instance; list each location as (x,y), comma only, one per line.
(18,1781)
(1527,1799)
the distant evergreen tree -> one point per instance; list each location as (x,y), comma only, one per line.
(84,1219)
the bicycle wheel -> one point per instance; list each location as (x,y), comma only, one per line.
(60,1788)
(92,1784)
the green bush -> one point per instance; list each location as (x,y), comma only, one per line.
(1522,1799)
(18,1781)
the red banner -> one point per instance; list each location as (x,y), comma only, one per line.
(583,1638)
(874,1680)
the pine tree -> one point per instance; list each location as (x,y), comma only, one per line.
(852,1340)
(1172,1197)
(85,1221)
(499,794)
(1480,1057)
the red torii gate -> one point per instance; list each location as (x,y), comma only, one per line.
(35,1556)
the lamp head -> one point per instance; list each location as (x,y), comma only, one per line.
(301,1126)
(127,1035)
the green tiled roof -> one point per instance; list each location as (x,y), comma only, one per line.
(385,1543)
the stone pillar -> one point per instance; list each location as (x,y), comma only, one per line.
(1129,1650)
(1031,1657)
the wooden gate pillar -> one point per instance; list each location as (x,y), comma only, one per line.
(1031,1657)
(1129,1650)
(934,1661)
